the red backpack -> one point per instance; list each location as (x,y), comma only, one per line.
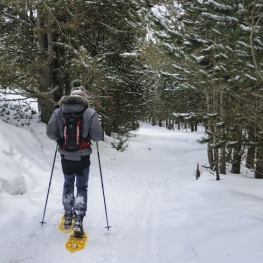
(72,132)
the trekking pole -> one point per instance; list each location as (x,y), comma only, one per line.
(42,222)
(102,188)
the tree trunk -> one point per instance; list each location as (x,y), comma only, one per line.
(192,127)
(250,162)
(236,160)
(168,123)
(217,164)
(223,160)
(210,150)
(222,135)
(210,155)
(45,40)
(46,105)
(259,162)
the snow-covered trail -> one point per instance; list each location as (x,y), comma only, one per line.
(163,165)
(140,187)
(158,211)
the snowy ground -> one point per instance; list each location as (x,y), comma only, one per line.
(158,211)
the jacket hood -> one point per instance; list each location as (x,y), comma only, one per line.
(74,100)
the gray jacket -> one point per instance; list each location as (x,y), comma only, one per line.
(90,128)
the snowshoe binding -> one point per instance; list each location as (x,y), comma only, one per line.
(78,227)
(68,217)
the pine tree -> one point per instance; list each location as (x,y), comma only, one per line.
(46,44)
(176,96)
(217,49)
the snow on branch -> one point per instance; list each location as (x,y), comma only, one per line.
(173,32)
(221,55)
(250,65)
(229,48)
(244,44)
(216,31)
(176,76)
(242,53)
(219,6)
(220,18)
(245,28)
(133,54)
(220,124)
(242,10)
(187,86)
(185,115)
(258,41)
(211,114)
(177,67)
(222,67)
(198,59)
(231,143)
(64,45)
(171,49)
(169,74)
(187,71)
(204,72)
(209,48)
(250,77)
(191,86)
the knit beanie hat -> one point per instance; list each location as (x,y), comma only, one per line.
(76,83)
(79,91)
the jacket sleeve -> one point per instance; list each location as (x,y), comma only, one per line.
(95,130)
(52,128)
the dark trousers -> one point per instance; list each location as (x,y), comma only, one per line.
(75,171)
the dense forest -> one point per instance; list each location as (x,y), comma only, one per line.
(171,63)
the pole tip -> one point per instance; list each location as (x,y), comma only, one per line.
(108,227)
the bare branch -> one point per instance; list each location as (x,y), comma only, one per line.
(50,11)
(113,29)
(17,19)
(13,99)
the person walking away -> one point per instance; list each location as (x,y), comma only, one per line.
(73,126)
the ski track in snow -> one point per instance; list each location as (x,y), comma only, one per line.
(157,210)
